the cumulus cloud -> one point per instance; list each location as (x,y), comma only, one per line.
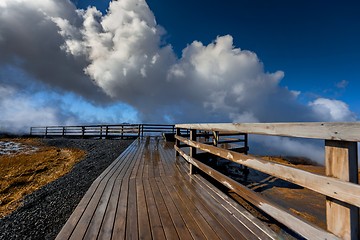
(332,110)
(218,81)
(30,40)
(121,57)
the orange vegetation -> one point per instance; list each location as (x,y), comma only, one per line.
(24,172)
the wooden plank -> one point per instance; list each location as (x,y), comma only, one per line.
(155,166)
(226,224)
(177,220)
(202,215)
(243,216)
(283,216)
(136,167)
(192,226)
(121,211)
(142,210)
(318,130)
(107,225)
(341,161)
(105,211)
(131,216)
(341,190)
(78,213)
(95,223)
(166,220)
(86,217)
(156,227)
(226,220)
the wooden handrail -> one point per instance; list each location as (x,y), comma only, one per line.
(318,130)
(340,184)
(111,131)
(304,228)
(332,187)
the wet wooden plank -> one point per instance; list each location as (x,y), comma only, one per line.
(103,218)
(177,220)
(190,193)
(186,215)
(68,228)
(302,226)
(107,225)
(157,230)
(192,210)
(145,195)
(168,226)
(142,210)
(121,211)
(131,216)
(243,216)
(202,215)
(91,208)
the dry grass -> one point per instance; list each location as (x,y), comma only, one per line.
(23,173)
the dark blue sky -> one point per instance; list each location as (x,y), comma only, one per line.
(316,43)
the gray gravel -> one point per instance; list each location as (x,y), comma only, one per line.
(45,211)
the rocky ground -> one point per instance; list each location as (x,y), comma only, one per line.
(46,210)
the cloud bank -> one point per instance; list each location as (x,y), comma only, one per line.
(121,57)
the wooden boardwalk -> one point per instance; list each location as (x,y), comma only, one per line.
(147,193)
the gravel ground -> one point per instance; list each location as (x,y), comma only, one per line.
(45,211)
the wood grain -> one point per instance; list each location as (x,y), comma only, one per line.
(318,130)
(341,162)
(338,189)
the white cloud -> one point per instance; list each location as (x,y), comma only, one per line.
(120,56)
(18,112)
(332,110)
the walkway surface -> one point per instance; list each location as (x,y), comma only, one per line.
(147,193)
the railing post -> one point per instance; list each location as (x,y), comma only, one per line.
(122,131)
(31,129)
(142,130)
(139,131)
(106,131)
(192,149)
(46,131)
(63,131)
(245,169)
(82,132)
(215,138)
(177,142)
(341,161)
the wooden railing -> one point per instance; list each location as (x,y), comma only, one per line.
(103,131)
(340,185)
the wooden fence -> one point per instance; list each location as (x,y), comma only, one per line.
(103,131)
(340,185)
